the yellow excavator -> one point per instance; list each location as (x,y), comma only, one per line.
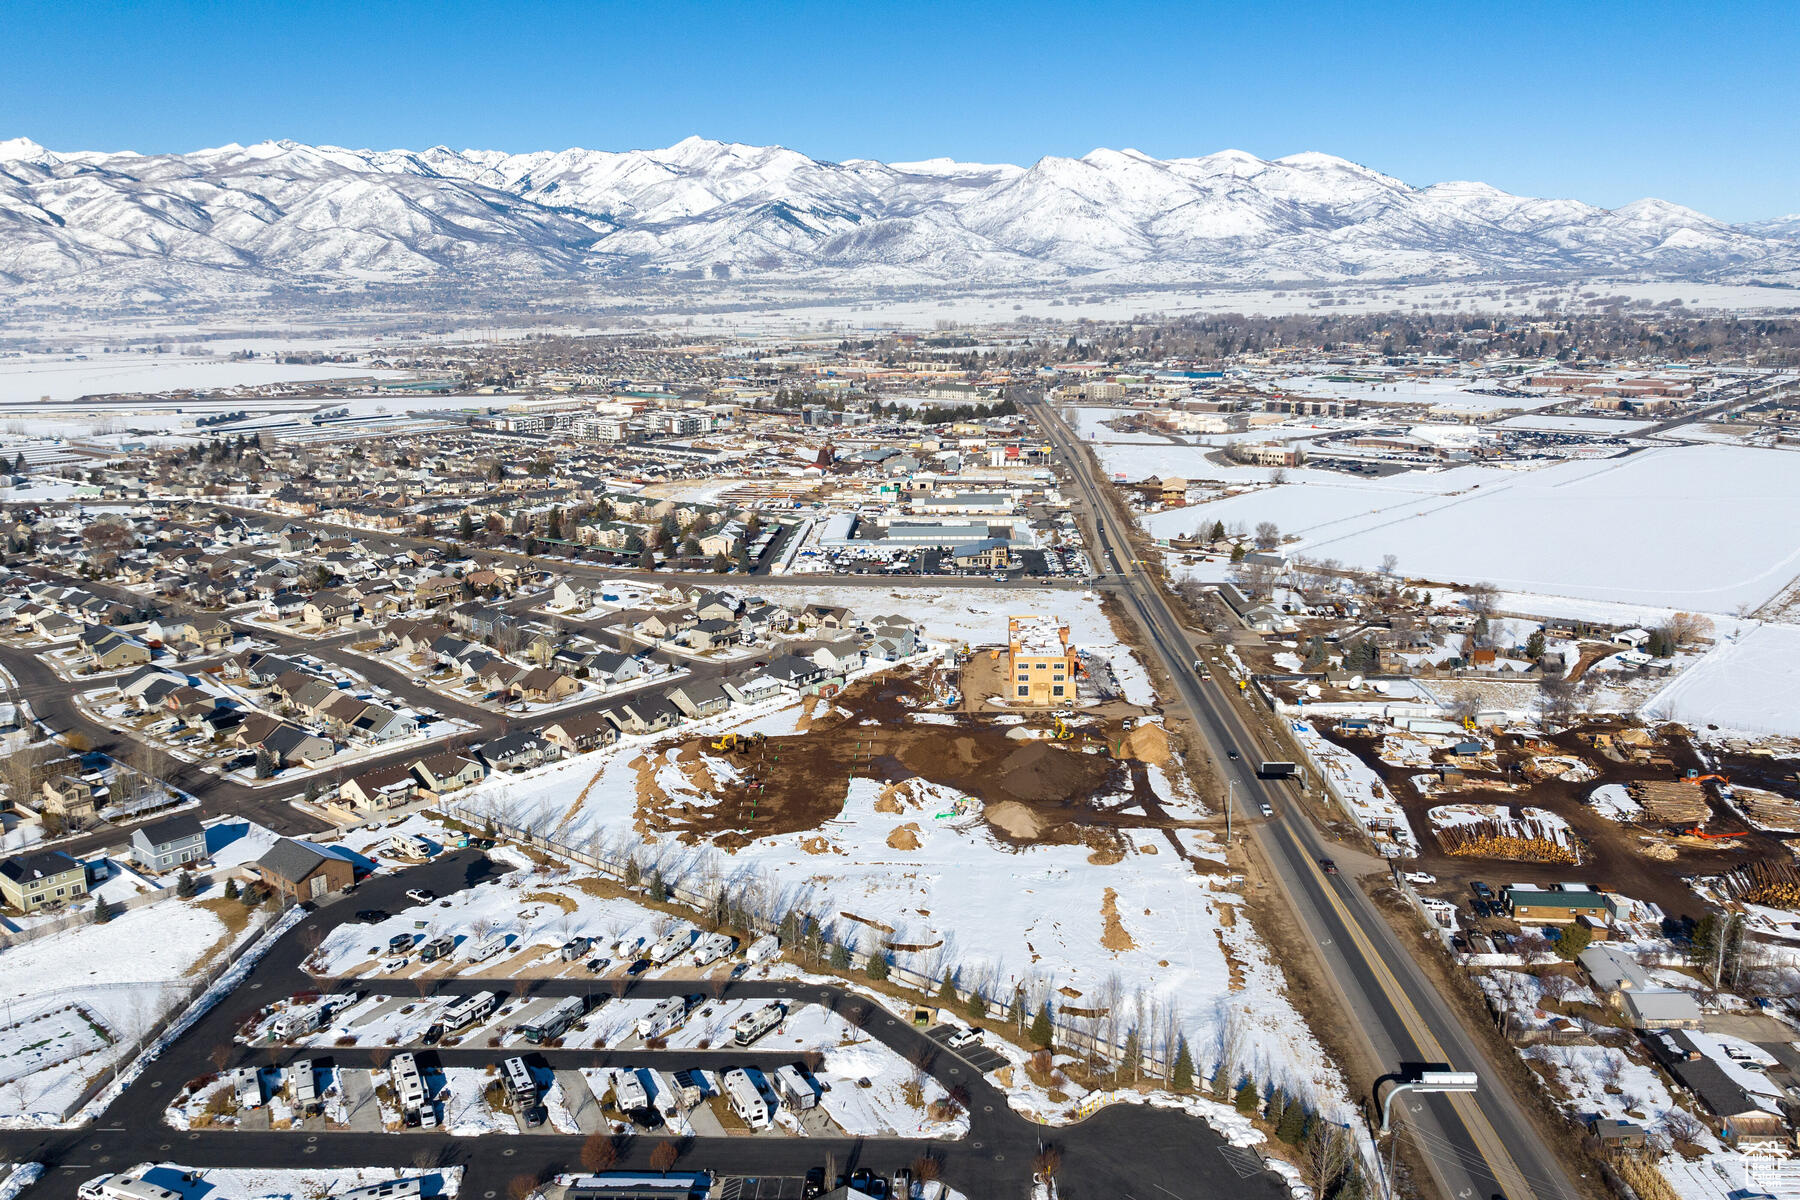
(1063,732)
(728,742)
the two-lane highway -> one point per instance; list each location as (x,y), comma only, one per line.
(1476,1146)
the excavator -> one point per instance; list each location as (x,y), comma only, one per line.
(741,743)
(1696,778)
(1697,832)
(1063,732)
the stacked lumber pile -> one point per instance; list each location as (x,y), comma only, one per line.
(1671,802)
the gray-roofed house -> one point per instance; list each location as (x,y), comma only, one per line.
(169,844)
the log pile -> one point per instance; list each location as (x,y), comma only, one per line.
(1671,802)
(1508,839)
(1773,883)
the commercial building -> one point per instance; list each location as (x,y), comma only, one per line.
(1040,662)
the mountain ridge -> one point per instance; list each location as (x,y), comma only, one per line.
(282,212)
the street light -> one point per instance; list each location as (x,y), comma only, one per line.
(1428,1081)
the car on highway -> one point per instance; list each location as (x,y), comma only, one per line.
(1232,755)
(421,895)
(1267,811)
(1327,866)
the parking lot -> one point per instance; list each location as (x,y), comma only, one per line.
(978,1055)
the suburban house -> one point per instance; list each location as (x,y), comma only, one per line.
(169,844)
(380,789)
(516,751)
(840,657)
(110,650)
(74,798)
(45,879)
(1747,1122)
(541,685)
(302,871)
(795,673)
(577,735)
(699,699)
(442,774)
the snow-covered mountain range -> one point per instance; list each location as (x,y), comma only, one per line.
(242,218)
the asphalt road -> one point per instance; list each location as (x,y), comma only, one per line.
(1476,1146)
(1126,1150)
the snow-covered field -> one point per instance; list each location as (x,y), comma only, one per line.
(1704,527)
(1043,916)
(28,380)
(1745,683)
(126,973)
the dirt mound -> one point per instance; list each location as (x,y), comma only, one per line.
(904,837)
(1113,935)
(1014,819)
(1042,772)
(1147,743)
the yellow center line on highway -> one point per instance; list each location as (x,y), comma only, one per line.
(1468,1110)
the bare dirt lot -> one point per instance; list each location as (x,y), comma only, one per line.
(1031,787)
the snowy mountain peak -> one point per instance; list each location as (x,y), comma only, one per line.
(23,149)
(283,212)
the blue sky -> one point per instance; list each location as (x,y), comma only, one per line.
(1603,102)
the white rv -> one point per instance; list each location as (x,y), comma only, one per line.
(468,1010)
(753,1025)
(747,1099)
(671,943)
(484,948)
(409,1084)
(713,947)
(629,1092)
(248,1082)
(763,949)
(666,1015)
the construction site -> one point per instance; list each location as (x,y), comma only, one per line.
(1037,778)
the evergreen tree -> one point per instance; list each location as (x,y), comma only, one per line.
(1043,1033)
(1274,1105)
(840,956)
(976,1007)
(1218,531)
(1534,645)
(1292,1126)
(1237,552)
(721,564)
(185,887)
(947,990)
(231,889)
(554,530)
(1247,1098)
(878,966)
(1182,1077)
(104,911)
